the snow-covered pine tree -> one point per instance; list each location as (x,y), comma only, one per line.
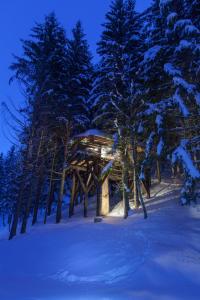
(56,76)
(42,72)
(192,10)
(182,69)
(114,48)
(79,80)
(172,94)
(80,71)
(154,88)
(113,96)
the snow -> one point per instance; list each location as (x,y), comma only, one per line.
(171,70)
(116,259)
(171,18)
(159,107)
(151,53)
(182,23)
(191,30)
(92,132)
(181,154)
(107,168)
(184,45)
(160,146)
(140,128)
(178,99)
(164,3)
(197,97)
(149,144)
(159,122)
(178,81)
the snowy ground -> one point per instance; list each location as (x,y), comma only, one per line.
(157,258)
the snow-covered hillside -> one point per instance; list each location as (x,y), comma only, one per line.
(157,258)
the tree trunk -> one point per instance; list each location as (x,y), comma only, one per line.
(158,170)
(147,181)
(13,230)
(135,189)
(73,194)
(27,211)
(124,188)
(51,190)
(141,199)
(134,161)
(3,220)
(62,184)
(60,198)
(38,196)
(51,198)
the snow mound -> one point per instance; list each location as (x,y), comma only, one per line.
(117,211)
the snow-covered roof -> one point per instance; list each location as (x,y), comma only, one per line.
(93,132)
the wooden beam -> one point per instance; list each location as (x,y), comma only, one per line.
(105,200)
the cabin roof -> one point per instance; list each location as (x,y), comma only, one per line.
(93,133)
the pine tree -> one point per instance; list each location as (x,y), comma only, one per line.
(169,72)
(56,75)
(153,87)
(114,94)
(80,77)
(43,73)
(192,9)
(109,87)
(181,68)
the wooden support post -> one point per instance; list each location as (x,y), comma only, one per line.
(105,201)
(86,188)
(98,195)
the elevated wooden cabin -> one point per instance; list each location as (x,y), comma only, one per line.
(93,164)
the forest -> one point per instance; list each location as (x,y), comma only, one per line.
(144,92)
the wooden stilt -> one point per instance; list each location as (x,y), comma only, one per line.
(105,201)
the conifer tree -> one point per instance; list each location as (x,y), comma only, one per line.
(170,75)
(42,73)
(115,101)
(80,76)
(181,68)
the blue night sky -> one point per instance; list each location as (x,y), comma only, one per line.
(17,17)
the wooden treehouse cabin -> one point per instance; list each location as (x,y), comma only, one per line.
(92,167)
